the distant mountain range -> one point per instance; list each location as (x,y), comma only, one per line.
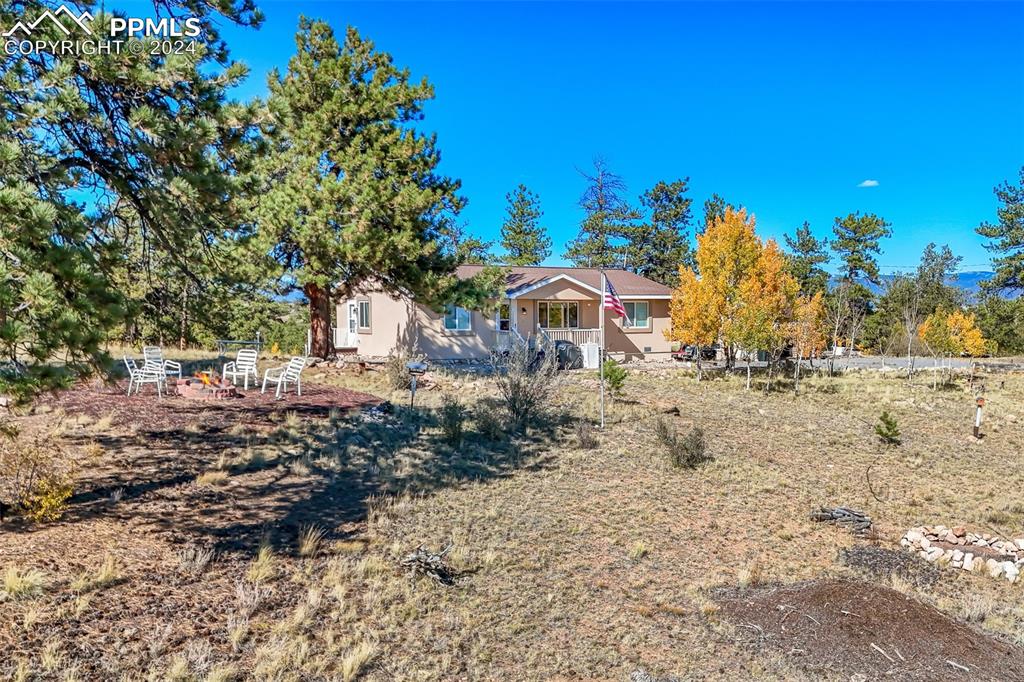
(970,282)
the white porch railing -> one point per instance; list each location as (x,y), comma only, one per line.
(577,337)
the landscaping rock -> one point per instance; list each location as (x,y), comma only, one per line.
(968,551)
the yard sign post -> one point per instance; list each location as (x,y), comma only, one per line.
(600,355)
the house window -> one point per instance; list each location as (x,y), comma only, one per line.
(456,319)
(504,323)
(558,314)
(638,314)
(364,314)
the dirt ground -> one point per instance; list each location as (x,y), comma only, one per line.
(580,563)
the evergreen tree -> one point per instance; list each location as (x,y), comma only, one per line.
(525,241)
(659,246)
(714,209)
(350,193)
(464,247)
(608,220)
(89,142)
(806,255)
(856,244)
(1007,237)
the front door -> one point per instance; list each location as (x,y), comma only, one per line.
(353,325)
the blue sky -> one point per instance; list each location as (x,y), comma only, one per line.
(784,108)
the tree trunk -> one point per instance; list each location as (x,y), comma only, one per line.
(183,327)
(320,320)
(698,363)
(796,371)
(748,373)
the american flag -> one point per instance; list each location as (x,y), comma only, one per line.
(611,300)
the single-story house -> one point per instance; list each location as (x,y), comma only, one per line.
(559,302)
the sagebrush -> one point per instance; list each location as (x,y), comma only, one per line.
(684,452)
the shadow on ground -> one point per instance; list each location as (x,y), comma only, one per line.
(233,474)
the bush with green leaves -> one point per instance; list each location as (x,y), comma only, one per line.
(614,377)
(684,452)
(887,430)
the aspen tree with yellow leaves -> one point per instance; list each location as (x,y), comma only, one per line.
(951,334)
(807,331)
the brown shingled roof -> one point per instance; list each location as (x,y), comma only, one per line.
(625,283)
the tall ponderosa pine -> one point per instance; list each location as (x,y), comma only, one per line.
(856,244)
(658,246)
(806,255)
(1007,237)
(524,239)
(351,196)
(90,141)
(608,219)
(714,209)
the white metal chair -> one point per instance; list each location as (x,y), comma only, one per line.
(292,372)
(147,374)
(154,357)
(244,365)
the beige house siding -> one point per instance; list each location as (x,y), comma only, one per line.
(398,323)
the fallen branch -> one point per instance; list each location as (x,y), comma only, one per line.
(882,651)
(431,564)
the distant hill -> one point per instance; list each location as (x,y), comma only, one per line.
(970,282)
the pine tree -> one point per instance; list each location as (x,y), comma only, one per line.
(607,222)
(714,209)
(856,244)
(807,255)
(349,192)
(91,143)
(657,247)
(1007,237)
(525,241)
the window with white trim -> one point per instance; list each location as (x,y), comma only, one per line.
(558,314)
(364,314)
(456,319)
(638,314)
(504,321)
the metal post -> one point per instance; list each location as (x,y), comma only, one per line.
(600,355)
(980,402)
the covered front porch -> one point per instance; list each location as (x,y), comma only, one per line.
(556,311)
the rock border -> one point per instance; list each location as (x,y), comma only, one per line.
(929,541)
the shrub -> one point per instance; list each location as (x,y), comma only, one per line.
(397,372)
(585,438)
(490,423)
(686,452)
(887,430)
(36,474)
(526,380)
(453,415)
(614,377)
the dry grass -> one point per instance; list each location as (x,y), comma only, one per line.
(581,562)
(107,574)
(22,583)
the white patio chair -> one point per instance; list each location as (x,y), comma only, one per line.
(147,374)
(244,365)
(292,372)
(154,356)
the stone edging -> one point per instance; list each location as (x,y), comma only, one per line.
(968,551)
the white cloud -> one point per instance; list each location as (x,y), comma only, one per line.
(869,183)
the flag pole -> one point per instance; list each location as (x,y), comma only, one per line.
(600,356)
